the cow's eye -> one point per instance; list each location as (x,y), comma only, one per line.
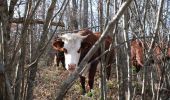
(78,51)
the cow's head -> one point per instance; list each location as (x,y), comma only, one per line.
(71,48)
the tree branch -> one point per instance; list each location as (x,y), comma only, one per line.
(35,21)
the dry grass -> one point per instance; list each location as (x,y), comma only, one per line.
(50,78)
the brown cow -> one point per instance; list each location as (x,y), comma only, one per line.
(76,46)
(59,54)
(137,55)
(137,51)
(161,54)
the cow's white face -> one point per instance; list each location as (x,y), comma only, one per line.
(72,44)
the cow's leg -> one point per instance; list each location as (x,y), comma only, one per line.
(92,72)
(109,66)
(57,61)
(63,62)
(108,71)
(82,81)
(158,69)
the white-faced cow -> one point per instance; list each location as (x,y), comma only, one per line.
(76,46)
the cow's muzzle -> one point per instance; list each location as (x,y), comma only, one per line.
(71,67)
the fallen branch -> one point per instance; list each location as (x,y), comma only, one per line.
(35,21)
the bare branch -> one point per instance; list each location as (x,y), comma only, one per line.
(35,21)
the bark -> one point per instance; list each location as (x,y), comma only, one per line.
(5,88)
(71,79)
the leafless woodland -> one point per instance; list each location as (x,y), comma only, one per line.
(27,29)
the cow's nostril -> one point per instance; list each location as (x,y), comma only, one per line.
(71,66)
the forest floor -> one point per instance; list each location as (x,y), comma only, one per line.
(49,79)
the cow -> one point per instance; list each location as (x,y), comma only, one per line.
(137,54)
(59,55)
(76,46)
(160,53)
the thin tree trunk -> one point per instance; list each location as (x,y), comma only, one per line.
(73,16)
(103,95)
(91,17)
(4,20)
(80,16)
(127,48)
(85,13)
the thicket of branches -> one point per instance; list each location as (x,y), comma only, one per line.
(27,28)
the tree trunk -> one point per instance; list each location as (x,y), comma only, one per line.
(73,16)
(85,14)
(127,48)
(4,21)
(5,88)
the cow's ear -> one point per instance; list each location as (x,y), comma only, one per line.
(62,44)
(79,50)
(140,44)
(65,50)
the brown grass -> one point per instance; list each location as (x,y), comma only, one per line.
(50,78)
